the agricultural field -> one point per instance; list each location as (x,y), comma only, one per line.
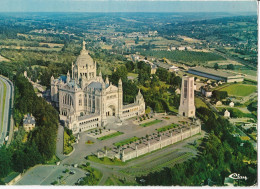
(189,57)
(247,72)
(52,45)
(3,59)
(108,47)
(41,48)
(163,42)
(239,89)
(190,40)
(38,57)
(223,63)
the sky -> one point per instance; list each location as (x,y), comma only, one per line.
(126,6)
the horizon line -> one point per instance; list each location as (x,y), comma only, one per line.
(128,12)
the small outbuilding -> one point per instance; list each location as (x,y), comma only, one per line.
(28,122)
(231,104)
(218,103)
(227,114)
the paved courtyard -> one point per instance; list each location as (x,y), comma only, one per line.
(46,174)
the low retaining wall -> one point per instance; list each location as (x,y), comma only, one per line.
(13,181)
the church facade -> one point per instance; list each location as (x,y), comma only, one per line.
(85,100)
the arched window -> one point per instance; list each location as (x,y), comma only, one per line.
(80,102)
(67,99)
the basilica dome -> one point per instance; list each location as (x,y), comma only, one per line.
(84,59)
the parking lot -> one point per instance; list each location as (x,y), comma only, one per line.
(47,174)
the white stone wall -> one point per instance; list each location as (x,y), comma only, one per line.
(160,144)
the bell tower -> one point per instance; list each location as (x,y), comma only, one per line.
(187,107)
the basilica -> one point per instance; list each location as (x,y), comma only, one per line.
(86,101)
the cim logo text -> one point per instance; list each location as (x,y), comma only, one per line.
(237,176)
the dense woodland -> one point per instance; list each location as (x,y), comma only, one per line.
(155,91)
(39,146)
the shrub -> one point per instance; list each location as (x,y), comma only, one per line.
(54,183)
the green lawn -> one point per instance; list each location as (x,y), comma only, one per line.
(3,107)
(239,89)
(179,158)
(199,103)
(105,160)
(93,178)
(126,141)
(53,160)
(110,135)
(134,75)
(234,112)
(182,157)
(165,128)
(151,123)
(67,148)
(113,181)
(109,182)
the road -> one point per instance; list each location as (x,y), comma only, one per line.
(59,143)
(6,92)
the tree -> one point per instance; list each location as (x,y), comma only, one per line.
(219,95)
(158,107)
(129,66)
(137,40)
(130,91)
(5,161)
(162,74)
(230,67)
(120,72)
(216,66)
